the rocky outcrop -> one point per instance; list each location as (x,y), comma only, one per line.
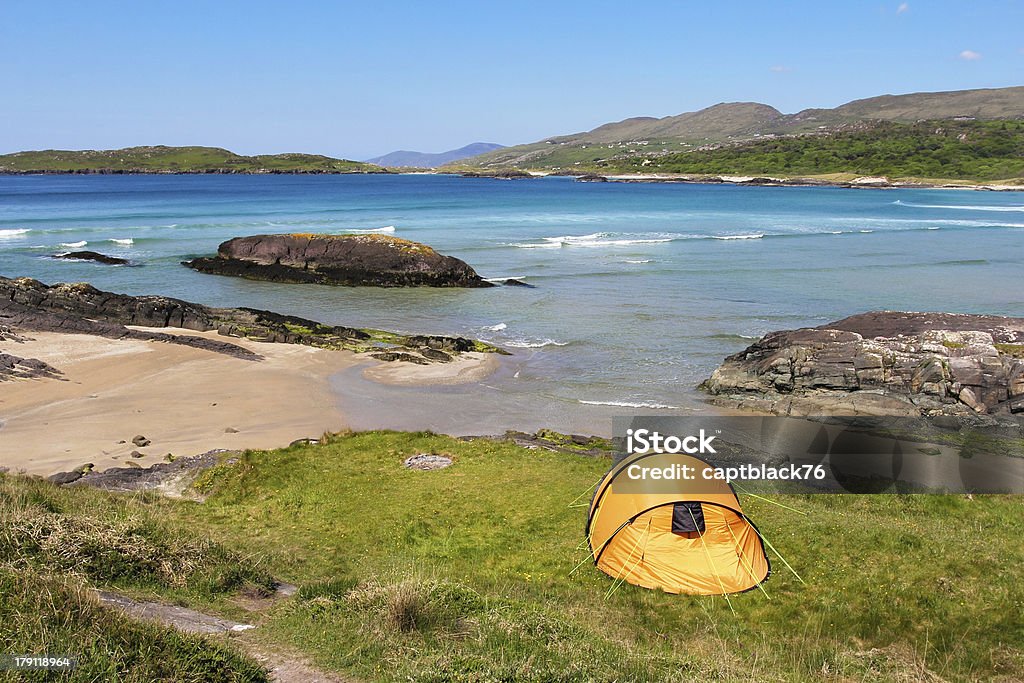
(881,363)
(508,174)
(13,367)
(30,305)
(92,256)
(371,260)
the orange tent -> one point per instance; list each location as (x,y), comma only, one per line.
(687,535)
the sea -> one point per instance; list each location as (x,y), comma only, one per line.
(639,290)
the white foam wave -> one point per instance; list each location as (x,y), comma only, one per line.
(630,404)
(496,328)
(386,228)
(531,344)
(961,207)
(599,239)
(502,280)
(125,242)
(74,245)
(754,236)
(11,233)
(642,260)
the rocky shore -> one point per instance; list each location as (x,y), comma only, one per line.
(370,260)
(29,305)
(881,363)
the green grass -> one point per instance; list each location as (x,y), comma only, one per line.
(42,613)
(466,574)
(55,543)
(161,159)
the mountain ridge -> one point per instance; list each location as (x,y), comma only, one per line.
(413,159)
(728,122)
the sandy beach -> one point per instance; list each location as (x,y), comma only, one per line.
(184,400)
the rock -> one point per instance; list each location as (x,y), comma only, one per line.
(591,178)
(13,367)
(881,363)
(136,454)
(61,478)
(140,441)
(80,308)
(500,175)
(434,354)
(427,461)
(230,430)
(305,442)
(355,260)
(390,356)
(513,282)
(92,256)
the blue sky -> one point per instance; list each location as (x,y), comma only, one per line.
(360,79)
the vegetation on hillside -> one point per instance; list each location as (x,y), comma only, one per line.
(476,572)
(57,543)
(737,122)
(162,159)
(963,150)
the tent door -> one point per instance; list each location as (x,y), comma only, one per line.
(688,519)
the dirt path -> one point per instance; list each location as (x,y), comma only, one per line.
(282,668)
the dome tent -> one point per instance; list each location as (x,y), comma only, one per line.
(685,535)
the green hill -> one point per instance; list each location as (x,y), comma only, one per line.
(161,159)
(950,150)
(728,123)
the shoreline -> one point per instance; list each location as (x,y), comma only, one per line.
(185,400)
(861,182)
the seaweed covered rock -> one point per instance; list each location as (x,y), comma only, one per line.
(355,260)
(881,363)
(30,305)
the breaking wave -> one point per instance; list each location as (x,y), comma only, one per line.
(630,404)
(960,207)
(533,344)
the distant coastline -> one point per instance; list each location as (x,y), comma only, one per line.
(852,182)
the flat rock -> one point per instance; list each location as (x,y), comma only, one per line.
(92,256)
(354,260)
(881,363)
(14,367)
(427,461)
(30,305)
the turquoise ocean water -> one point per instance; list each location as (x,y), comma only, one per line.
(640,289)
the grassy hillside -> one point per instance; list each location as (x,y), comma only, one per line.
(55,544)
(647,137)
(162,159)
(961,150)
(467,573)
